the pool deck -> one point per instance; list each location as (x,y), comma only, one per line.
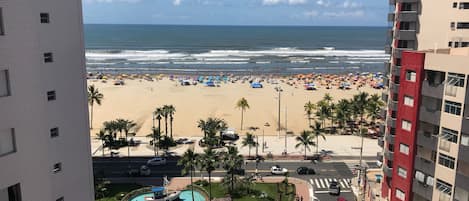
(302,187)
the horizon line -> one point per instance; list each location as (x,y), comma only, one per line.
(234,25)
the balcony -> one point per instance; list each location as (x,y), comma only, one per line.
(382,113)
(430,116)
(398,51)
(387,49)
(422,189)
(407,16)
(391,122)
(424,165)
(390,138)
(394,87)
(432,90)
(426,140)
(387,171)
(379,156)
(381,142)
(390,34)
(387,67)
(405,35)
(392,104)
(388,154)
(384,96)
(391,17)
(396,70)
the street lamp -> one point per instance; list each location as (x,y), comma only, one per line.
(279,90)
(263,130)
(154,133)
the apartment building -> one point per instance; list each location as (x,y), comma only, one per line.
(44,135)
(410,160)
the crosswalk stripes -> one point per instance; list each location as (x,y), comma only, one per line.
(323,183)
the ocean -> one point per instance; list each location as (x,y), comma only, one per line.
(182,49)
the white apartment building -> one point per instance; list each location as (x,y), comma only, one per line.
(44,135)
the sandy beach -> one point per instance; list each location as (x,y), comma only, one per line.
(138,98)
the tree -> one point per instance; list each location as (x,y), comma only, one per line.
(305,139)
(373,107)
(102,136)
(111,127)
(232,161)
(158,113)
(322,111)
(171,110)
(127,126)
(211,127)
(94,96)
(309,108)
(165,110)
(208,161)
(188,160)
(249,141)
(360,102)
(243,105)
(317,131)
(343,112)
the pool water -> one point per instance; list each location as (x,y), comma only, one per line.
(184,196)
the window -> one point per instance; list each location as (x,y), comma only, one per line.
(409,101)
(7,141)
(54,132)
(430,181)
(420,176)
(400,194)
(403,148)
(464,139)
(2,31)
(446,161)
(402,172)
(51,95)
(406,7)
(12,193)
(444,187)
(450,44)
(456,79)
(452,25)
(406,125)
(463,25)
(57,167)
(452,107)
(48,57)
(410,76)
(4,83)
(60,199)
(450,135)
(464,44)
(464,5)
(455,4)
(44,18)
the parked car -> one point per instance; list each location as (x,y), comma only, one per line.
(184,141)
(277,170)
(229,134)
(334,188)
(142,171)
(157,161)
(305,170)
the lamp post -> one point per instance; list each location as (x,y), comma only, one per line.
(263,142)
(279,90)
(154,133)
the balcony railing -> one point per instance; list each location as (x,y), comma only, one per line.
(422,189)
(424,165)
(398,51)
(394,87)
(391,122)
(407,16)
(430,116)
(405,35)
(390,138)
(382,113)
(381,142)
(396,70)
(384,96)
(387,171)
(392,104)
(391,17)
(388,154)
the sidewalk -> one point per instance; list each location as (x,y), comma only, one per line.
(302,187)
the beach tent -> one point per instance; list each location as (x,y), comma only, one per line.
(256,85)
(210,84)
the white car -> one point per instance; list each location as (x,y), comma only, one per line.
(277,170)
(157,161)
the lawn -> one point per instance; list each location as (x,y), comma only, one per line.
(114,191)
(219,191)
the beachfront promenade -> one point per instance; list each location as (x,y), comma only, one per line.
(336,145)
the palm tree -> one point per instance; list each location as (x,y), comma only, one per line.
(232,161)
(359,105)
(102,136)
(94,96)
(165,115)
(208,161)
(158,113)
(111,127)
(343,112)
(171,110)
(243,105)
(127,126)
(309,108)
(188,160)
(211,127)
(305,139)
(322,111)
(373,107)
(249,141)
(120,123)
(317,131)
(328,98)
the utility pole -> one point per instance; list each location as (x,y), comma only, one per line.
(286,130)
(279,90)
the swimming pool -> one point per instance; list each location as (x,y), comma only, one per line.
(184,196)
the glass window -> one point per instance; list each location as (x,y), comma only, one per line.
(48,57)
(455,4)
(57,167)
(444,187)
(406,125)
(446,161)
(452,25)
(13,193)
(410,76)
(400,194)
(7,141)
(463,5)
(409,101)
(4,83)
(456,79)
(452,107)
(51,95)
(54,132)
(44,18)
(402,172)
(463,25)
(2,31)
(403,148)
(60,199)
(464,139)
(420,176)
(450,135)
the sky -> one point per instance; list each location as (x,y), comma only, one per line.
(238,12)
